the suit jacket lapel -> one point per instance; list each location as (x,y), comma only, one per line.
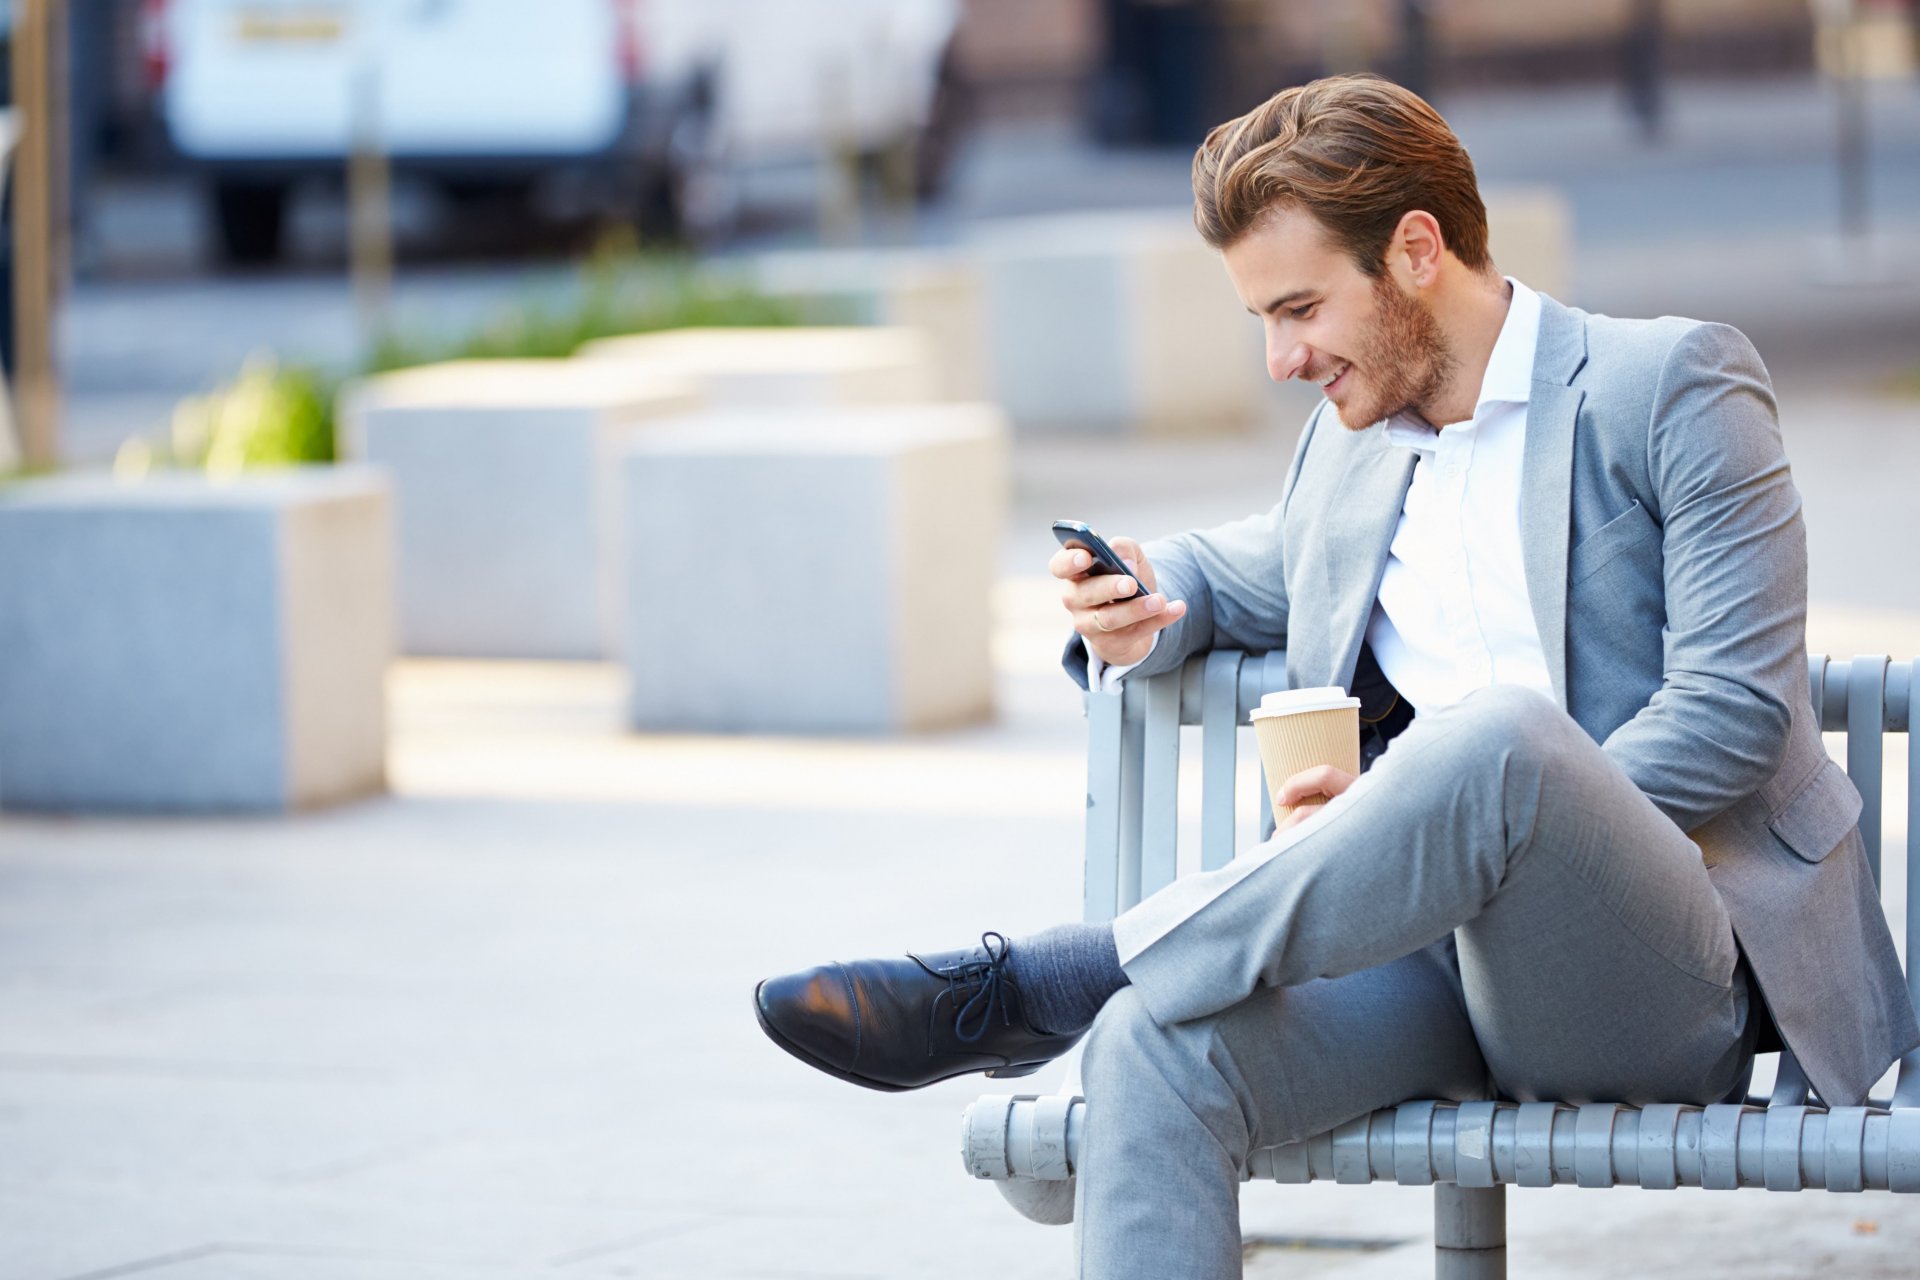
(1546,480)
(1546,488)
(1359,533)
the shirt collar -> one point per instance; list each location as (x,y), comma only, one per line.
(1509,375)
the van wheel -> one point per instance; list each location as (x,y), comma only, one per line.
(656,214)
(694,208)
(252,221)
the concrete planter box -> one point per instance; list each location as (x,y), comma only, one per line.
(183,645)
(506,498)
(1530,234)
(937,295)
(739,368)
(815,571)
(1117,323)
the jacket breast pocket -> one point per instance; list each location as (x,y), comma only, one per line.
(1817,818)
(1600,548)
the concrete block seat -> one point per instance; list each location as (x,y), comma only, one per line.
(784,366)
(506,498)
(936,293)
(179,644)
(814,570)
(1117,323)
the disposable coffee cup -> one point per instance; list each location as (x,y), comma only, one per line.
(1300,729)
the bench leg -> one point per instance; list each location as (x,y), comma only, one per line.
(1469,1232)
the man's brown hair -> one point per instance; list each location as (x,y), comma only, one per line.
(1356,152)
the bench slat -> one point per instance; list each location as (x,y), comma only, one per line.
(1843,1153)
(1866,713)
(1907,1092)
(1133,754)
(1475,1163)
(1105,761)
(1273,677)
(1593,1134)
(1789,1083)
(1220,744)
(1160,784)
(1656,1146)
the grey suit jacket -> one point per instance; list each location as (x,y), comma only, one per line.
(1666,567)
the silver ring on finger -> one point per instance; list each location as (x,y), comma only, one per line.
(1100,622)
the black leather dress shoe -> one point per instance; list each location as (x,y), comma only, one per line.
(907,1023)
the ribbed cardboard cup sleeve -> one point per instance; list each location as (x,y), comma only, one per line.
(1295,740)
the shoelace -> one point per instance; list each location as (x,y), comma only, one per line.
(991,975)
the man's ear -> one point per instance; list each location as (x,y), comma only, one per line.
(1418,244)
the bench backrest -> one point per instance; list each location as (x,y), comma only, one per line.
(1134,779)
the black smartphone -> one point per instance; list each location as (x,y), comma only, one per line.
(1075,533)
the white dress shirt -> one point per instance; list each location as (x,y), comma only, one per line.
(1452,614)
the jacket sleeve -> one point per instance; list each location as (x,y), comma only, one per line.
(1735,568)
(1233,579)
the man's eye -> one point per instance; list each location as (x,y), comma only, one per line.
(1303,313)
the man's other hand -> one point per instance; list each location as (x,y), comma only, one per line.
(1117,621)
(1321,783)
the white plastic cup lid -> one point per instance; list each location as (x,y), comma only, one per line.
(1288,702)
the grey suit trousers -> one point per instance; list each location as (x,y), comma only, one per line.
(1493,910)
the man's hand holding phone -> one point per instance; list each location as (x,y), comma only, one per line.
(1117,618)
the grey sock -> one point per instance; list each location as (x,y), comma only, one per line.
(1065,974)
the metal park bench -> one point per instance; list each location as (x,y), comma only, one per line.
(1467,1151)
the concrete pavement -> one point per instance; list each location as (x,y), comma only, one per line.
(496,1024)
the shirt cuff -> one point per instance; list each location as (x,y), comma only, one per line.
(1102,678)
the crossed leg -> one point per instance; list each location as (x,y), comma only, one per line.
(1174,1112)
(1494,907)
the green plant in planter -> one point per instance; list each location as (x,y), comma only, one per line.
(23,472)
(620,291)
(270,416)
(276,415)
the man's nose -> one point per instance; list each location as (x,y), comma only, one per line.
(1288,361)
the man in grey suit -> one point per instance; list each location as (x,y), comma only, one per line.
(1599,854)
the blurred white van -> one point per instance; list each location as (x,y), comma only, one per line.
(658,103)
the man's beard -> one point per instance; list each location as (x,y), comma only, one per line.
(1402,363)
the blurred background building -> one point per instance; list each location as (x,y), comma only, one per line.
(249,100)
(1164,70)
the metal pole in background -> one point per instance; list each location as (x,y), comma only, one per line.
(898,160)
(838,194)
(1416,46)
(1645,67)
(39,247)
(1852,50)
(1851,150)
